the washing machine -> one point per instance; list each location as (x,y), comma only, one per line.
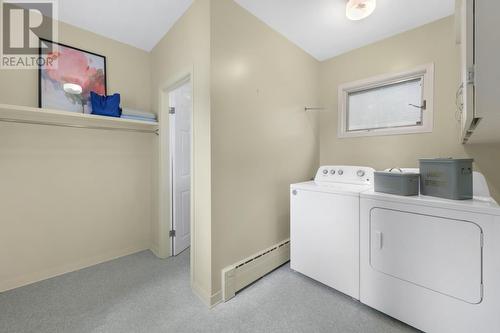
(432,263)
(324,226)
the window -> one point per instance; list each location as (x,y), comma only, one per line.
(390,104)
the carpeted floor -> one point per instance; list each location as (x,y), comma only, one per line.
(141,293)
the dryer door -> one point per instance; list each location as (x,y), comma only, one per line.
(443,255)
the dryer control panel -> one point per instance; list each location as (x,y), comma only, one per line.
(345,174)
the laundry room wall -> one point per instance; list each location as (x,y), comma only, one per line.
(262,139)
(71,198)
(431,43)
(186,47)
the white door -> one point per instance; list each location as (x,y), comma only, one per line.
(180,157)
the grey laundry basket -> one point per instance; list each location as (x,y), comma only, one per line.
(446,178)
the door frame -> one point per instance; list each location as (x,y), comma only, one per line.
(165,209)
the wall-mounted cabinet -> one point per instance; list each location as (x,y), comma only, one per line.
(480,90)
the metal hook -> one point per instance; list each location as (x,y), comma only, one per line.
(313,109)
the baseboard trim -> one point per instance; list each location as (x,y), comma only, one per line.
(201,293)
(247,271)
(216,298)
(34,277)
(207,299)
(155,251)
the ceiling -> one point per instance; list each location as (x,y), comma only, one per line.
(140,23)
(321,28)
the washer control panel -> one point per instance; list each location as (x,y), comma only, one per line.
(345,174)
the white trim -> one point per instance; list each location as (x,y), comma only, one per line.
(209,300)
(425,71)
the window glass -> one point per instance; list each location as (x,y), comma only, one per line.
(387,106)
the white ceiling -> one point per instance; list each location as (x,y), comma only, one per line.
(321,28)
(140,23)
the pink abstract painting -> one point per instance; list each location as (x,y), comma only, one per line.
(70,65)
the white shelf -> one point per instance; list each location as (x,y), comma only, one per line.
(29,115)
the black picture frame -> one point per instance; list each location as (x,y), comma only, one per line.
(40,54)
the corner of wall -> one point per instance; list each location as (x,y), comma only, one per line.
(187,45)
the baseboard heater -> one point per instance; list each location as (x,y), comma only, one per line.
(245,272)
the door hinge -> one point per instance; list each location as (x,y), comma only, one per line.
(172,233)
(471,75)
(171,110)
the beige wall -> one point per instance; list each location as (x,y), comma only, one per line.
(252,138)
(262,139)
(71,198)
(186,48)
(435,43)
(127,71)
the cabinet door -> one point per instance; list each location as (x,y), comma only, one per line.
(467,66)
(480,95)
(440,254)
(487,70)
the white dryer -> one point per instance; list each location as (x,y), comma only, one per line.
(325,226)
(432,263)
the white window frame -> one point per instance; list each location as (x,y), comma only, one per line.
(426,72)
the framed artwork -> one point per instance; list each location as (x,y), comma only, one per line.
(68,75)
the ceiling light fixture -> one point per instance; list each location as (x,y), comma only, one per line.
(359,9)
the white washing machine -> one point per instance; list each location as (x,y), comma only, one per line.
(432,263)
(325,226)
